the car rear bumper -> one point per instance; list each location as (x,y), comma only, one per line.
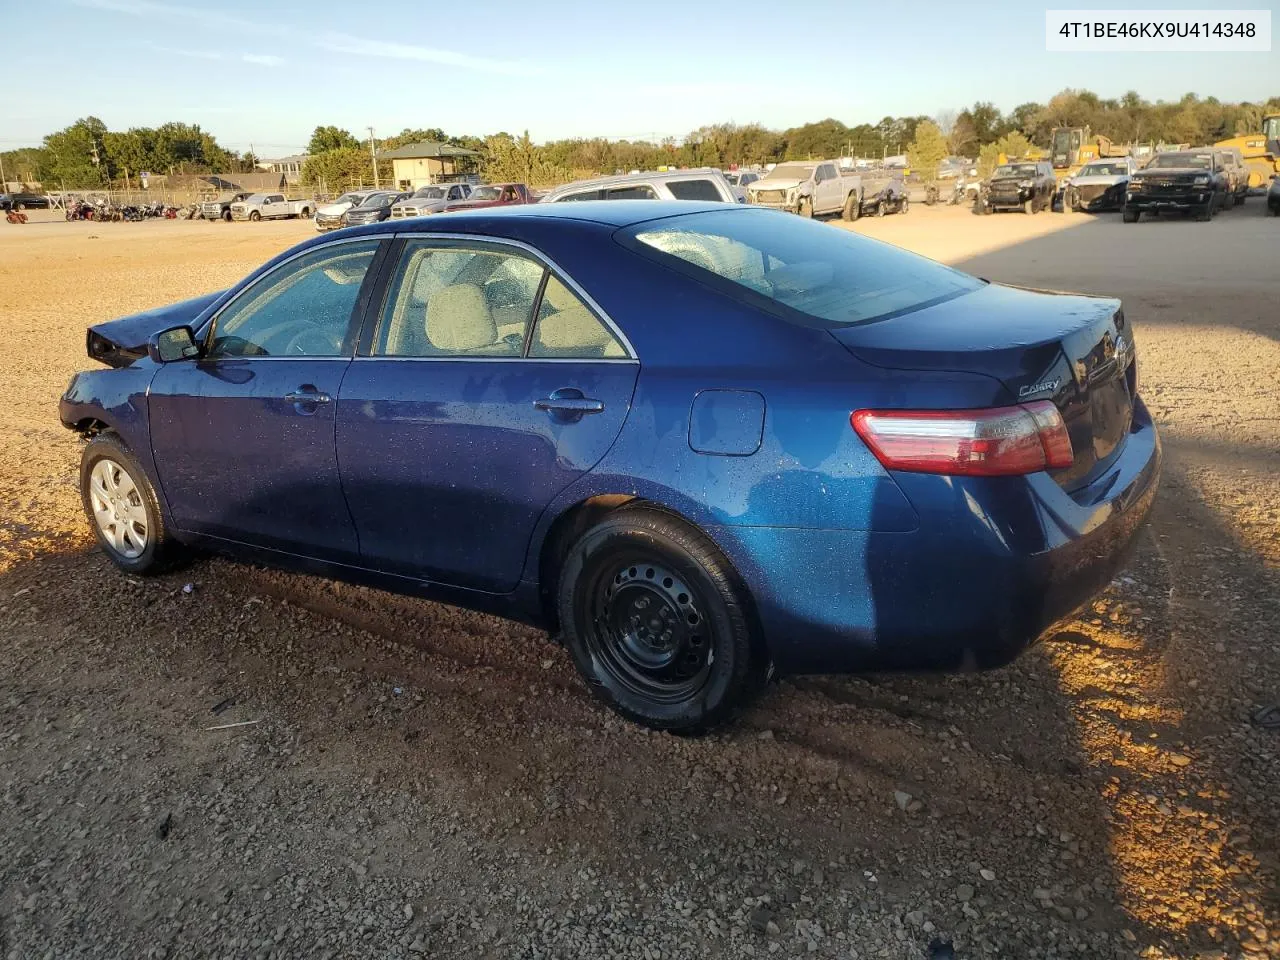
(993,564)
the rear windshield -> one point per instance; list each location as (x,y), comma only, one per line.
(805,271)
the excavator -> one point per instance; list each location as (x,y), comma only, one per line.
(1261,151)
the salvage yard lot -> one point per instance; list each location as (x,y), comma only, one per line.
(423,781)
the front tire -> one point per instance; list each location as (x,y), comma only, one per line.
(805,207)
(1029,206)
(123,511)
(1209,209)
(254,216)
(658,623)
(905,204)
(1131,216)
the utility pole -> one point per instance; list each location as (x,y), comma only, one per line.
(4,182)
(373,152)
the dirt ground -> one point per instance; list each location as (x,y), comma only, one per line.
(422,781)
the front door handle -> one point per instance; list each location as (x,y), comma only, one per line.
(570,405)
(306,395)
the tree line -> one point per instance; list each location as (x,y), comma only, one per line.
(87,154)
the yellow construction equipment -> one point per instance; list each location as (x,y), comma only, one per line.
(1070,148)
(1261,151)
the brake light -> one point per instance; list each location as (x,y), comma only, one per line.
(999,441)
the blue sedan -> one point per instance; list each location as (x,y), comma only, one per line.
(705,444)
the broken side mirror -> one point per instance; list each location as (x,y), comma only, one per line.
(176,343)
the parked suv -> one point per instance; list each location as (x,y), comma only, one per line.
(1237,174)
(1188,181)
(673,185)
(1026,185)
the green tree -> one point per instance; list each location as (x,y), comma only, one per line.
(520,160)
(324,139)
(926,152)
(339,169)
(1013,146)
(72,154)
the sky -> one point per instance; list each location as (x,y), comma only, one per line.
(265,74)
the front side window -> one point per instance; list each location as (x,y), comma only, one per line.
(302,309)
(459,300)
(694,190)
(800,270)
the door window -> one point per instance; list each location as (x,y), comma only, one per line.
(584,195)
(301,309)
(639,191)
(567,328)
(694,190)
(450,300)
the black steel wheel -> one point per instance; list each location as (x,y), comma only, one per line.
(658,622)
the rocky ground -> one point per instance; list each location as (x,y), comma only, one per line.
(413,780)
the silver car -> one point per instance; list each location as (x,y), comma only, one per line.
(430,199)
(667,185)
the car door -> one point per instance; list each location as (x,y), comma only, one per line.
(243,437)
(486,387)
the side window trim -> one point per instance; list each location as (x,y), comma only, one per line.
(550,268)
(210,324)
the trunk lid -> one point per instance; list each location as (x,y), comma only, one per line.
(1074,350)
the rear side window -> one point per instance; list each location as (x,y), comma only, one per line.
(639,191)
(693,190)
(800,270)
(582,195)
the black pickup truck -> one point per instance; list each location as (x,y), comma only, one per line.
(1027,185)
(1188,181)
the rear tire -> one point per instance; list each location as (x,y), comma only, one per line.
(1229,201)
(122,509)
(226,215)
(852,207)
(658,622)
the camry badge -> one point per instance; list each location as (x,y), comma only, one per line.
(1041,387)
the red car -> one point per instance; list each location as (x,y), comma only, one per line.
(493,195)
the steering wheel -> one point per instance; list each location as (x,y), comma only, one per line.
(313,342)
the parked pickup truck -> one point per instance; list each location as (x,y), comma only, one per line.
(809,188)
(493,195)
(220,209)
(269,206)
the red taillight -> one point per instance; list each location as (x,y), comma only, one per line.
(976,443)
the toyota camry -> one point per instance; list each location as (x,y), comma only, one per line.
(702,444)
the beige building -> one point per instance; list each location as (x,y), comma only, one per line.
(419,164)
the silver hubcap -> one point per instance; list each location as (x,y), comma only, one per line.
(118,509)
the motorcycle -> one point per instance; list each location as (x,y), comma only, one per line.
(15,216)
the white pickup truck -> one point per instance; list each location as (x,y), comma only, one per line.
(809,188)
(268,206)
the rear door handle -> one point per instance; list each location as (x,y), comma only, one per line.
(307,396)
(577,405)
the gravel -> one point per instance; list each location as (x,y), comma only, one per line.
(427,782)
